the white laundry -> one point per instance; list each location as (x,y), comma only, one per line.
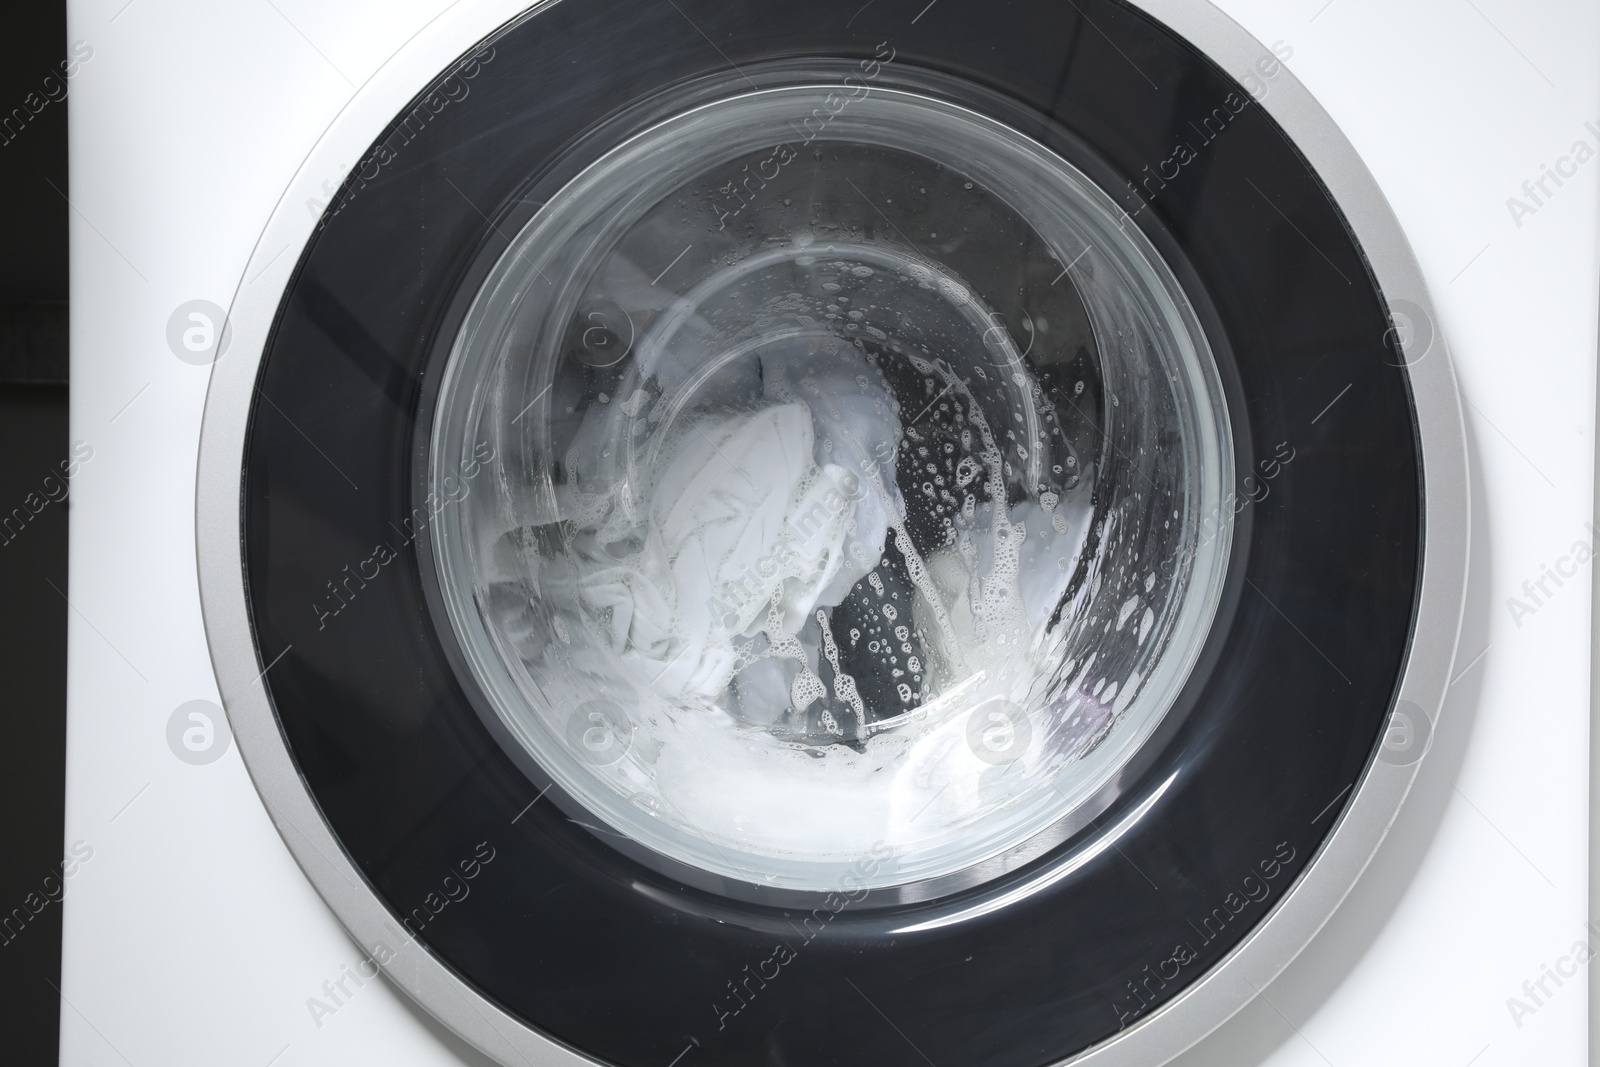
(750,523)
(858,429)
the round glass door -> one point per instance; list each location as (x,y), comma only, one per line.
(845,512)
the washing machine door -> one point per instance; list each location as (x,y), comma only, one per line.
(838,534)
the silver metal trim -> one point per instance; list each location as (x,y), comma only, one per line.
(1156,1039)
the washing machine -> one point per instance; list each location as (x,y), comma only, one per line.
(669,533)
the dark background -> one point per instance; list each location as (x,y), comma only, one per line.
(33,441)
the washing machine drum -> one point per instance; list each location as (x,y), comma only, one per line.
(802,534)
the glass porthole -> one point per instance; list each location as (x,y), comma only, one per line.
(853,497)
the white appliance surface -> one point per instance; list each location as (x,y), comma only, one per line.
(191,936)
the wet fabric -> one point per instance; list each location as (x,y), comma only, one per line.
(750,523)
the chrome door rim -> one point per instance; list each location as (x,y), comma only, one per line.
(1163,1034)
